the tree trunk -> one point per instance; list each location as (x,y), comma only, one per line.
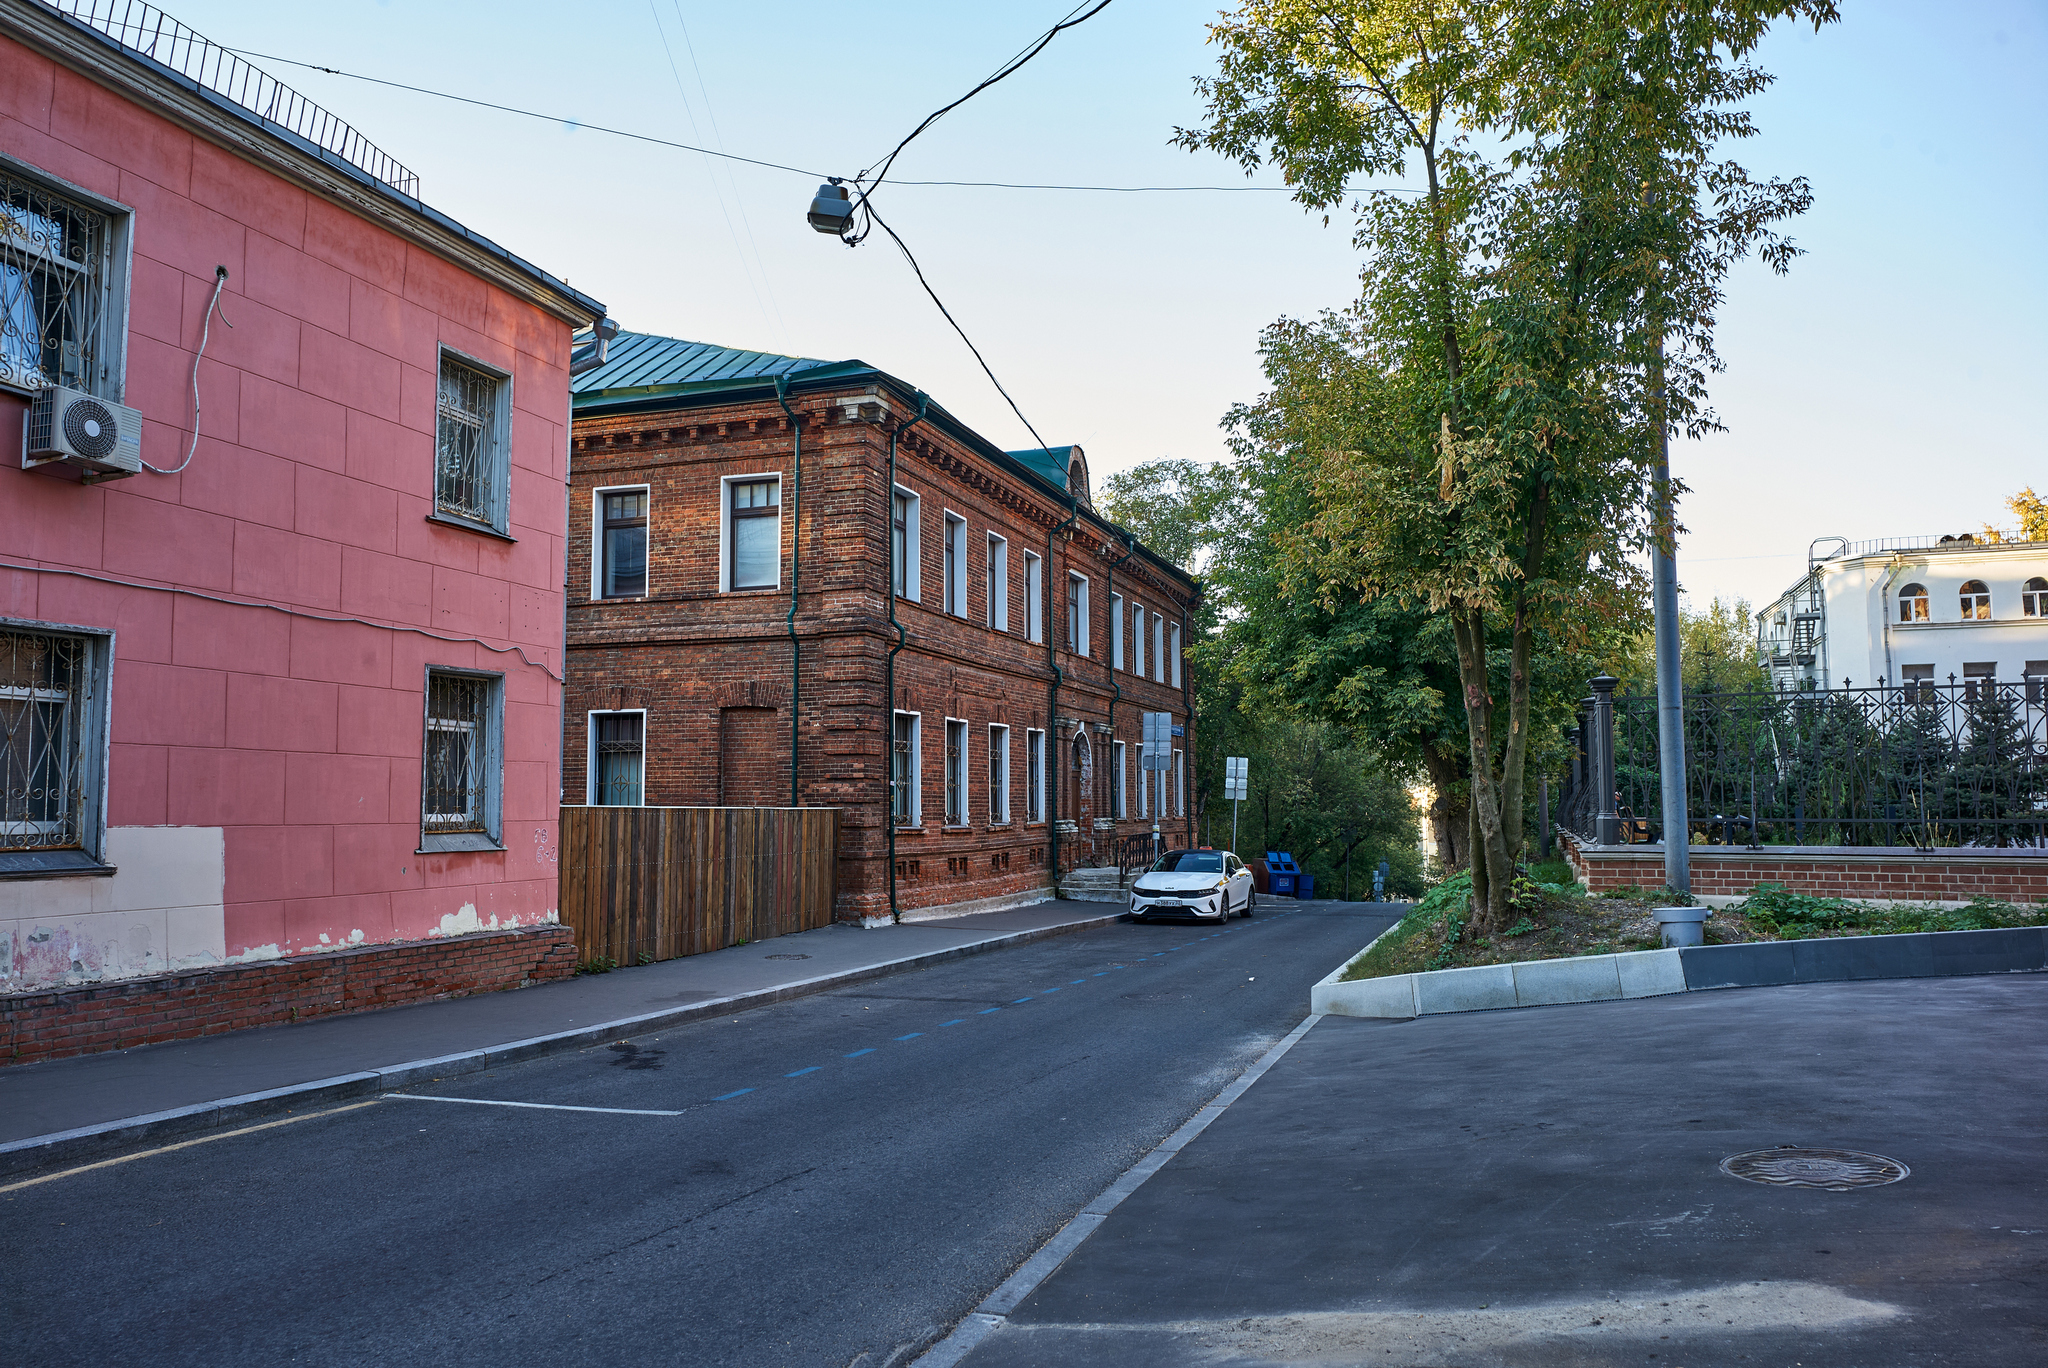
(1449,809)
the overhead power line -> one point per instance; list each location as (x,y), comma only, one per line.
(797,170)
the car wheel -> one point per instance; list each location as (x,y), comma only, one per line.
(1250,900)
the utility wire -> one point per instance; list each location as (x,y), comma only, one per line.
(798,170)
(903,248)
(1002,72)
(533,114)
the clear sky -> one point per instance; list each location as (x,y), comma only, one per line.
(1880,389)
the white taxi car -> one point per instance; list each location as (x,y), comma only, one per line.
(1202,883)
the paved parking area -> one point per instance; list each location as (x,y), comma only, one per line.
(1542,1187)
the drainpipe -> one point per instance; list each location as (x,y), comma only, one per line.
(1187,703)
(1884,611)
(796,550)
(889,661)
(1052,697)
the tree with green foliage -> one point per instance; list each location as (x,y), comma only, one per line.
(1531,323)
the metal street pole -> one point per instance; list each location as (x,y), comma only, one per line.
(1233,823)
(1670,683)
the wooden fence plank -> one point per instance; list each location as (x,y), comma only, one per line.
(667,882)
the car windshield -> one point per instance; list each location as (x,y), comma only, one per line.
(1190,862)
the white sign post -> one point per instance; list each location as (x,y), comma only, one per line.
(1156,756)
(1235,771)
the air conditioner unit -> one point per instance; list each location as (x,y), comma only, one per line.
(71,427)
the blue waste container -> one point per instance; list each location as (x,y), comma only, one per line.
(1304,886)
(1281,872)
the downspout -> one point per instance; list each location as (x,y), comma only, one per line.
(1187,703)
(889,662)
(1884,610)
(796,550)
(1052,698)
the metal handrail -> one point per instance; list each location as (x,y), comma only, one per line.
(147,31)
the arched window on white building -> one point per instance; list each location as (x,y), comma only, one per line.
(2034,597)
(1913,603)
(1976,597)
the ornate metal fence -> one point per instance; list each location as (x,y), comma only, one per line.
(1922,765)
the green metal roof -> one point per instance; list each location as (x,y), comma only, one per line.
(643,365)
(1051,462)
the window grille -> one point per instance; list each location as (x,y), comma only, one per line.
(625,544)
(55,256)
(902,773)
(466,467)
(458,746)
(1976,601)
(44,680)
(999,776)
(1913,603)
(621,764)
(756,550)
(956,774)
(1034,776)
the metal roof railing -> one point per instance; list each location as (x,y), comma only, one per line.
(1877,546)
(143,28)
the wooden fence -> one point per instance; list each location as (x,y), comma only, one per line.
(661,883)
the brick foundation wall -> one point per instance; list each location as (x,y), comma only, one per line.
(116,1016)
(1871,873)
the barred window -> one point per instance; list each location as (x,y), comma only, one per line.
(56,290)
(1034,776)
(999,776)
(956,773)
(903,796)
(44,740)
(469,456)
(618,749)
(461,763)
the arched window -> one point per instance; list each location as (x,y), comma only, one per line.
(2034,597)
(1976,601)
(1913,603)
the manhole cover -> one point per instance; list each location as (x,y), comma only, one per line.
(787,957)
(1835,1170)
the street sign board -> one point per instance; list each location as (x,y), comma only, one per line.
(1157,753)
(1236,769)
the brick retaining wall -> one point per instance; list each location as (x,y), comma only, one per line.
(1876,874)
(53,1023)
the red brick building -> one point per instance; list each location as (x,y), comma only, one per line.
(749,584)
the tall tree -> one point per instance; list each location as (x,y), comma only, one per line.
(1531,322)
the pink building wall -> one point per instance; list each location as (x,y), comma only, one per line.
(264,769)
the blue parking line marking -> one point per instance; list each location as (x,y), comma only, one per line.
(858,1053)
(1070,985)
(912,1036)
(1043,991)
(741,1092)
(986,1010)
(801,1072)
(954,1022)
(1021,999)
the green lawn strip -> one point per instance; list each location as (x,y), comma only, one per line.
(1560,921)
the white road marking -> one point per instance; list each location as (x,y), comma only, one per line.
(537,1106)
(182,1144)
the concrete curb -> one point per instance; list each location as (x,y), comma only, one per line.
(91,1142)
(1657,973)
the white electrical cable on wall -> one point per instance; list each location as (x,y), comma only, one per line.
(220,278)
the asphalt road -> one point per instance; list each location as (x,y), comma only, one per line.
(849,1174)
(1542,1189)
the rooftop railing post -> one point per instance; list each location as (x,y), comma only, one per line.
(1606,821)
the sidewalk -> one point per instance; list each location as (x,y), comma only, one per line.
(1544,1187)
(353,1053)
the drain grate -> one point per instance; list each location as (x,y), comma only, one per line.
(786,957)
(1833,1169)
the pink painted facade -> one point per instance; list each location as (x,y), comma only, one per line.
(262,785)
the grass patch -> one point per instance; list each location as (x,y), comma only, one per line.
(1560,920)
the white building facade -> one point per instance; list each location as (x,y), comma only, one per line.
(1905,610)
